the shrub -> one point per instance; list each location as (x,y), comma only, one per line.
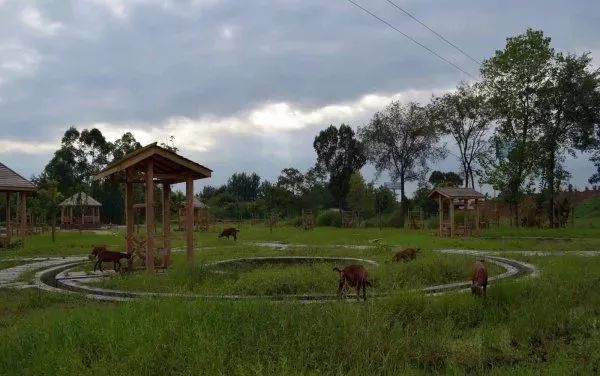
(329,218)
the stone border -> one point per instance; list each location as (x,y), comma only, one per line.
(513,268)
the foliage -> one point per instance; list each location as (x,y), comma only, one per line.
(401,139)
(339,154)
(514,80)
(445,179)
(464,115)
(244,186)
(361,196)
(329,218)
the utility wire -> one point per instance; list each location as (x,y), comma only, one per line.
(412,39)
(433,31)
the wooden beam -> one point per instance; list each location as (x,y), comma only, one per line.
(150,216)
(129,219)
(23,206)
(166,206)
(451,217)
(8,220)
(477,214)
(189,219)
(441,210)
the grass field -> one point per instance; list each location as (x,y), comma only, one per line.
(531,326)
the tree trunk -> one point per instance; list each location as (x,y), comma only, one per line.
(402,200)
(551,190)
(53,229)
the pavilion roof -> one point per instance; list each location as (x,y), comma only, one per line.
(80,199)
(197,204)
(451,192)
(168,165)
(10,181)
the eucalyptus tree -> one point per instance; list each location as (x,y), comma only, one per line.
(339,154)
(401,140)
(463,114)
(515,79)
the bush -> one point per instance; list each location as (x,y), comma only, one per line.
(329,218)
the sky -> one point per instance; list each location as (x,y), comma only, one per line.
(246,85)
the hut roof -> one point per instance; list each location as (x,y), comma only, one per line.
(451,192)
(80,199)
(10,181)
(168,165)
(197,204)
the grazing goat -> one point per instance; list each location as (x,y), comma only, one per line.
(354,276)
(104,255)
(406,254)
(479,278)
(229,232)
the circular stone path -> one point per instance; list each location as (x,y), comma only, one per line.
(53,274)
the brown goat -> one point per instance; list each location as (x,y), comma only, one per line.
(479,278)
(407,254)
(229,232)
(104,255)
(354,276)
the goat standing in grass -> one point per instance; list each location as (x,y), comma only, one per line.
(104,255)
(354,276)
(229,232)
(479,278)
(407,254)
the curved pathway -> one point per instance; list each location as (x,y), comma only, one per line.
(55,275)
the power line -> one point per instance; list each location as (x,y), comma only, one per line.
(433,31)
(412,39)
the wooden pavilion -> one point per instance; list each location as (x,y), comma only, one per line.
(11,182)
(456,199)
(89,208)
(152,165)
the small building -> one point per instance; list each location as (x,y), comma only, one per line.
(11,183)
(451,199)
(80,211)
(201,215)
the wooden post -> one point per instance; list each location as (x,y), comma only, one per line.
(189,218)
(62,215)
(166,206)
(441,210)
(23,206)
(129,217)
(150,215)
(451,216)
(477,214)
(8,220)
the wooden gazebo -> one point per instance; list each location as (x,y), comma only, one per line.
(456,199)
(89,208)
(152,165)
(11,182)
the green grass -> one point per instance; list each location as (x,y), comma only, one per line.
(316,278)
(532,326)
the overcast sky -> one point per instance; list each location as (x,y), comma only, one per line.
(244,85)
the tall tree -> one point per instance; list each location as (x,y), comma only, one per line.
(464,115)
(571,108)
(244,186)
(401,139)
(292,180)
(514,80)
(339,154)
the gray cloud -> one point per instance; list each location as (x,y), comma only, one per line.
(142,63)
